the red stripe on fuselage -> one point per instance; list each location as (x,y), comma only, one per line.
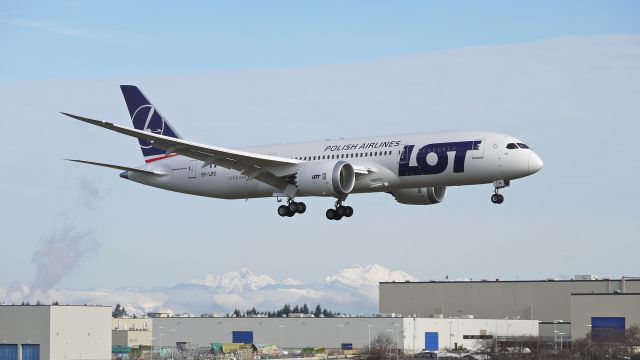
(159,158)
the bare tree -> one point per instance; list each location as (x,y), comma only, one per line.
(382,347)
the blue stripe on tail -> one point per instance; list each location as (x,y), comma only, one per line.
(145,117)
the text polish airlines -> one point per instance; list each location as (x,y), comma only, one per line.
(415,169)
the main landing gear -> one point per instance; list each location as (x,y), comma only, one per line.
(292,208)
(497,198)
(339,212)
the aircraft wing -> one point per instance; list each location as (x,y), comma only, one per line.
(271,170)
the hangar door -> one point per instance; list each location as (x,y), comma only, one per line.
(607,328)
(30,352)
(242,337)
(431,341)
(8,352)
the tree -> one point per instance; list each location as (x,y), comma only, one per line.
(382,347)
(318,311)
(119,311)
(305,309)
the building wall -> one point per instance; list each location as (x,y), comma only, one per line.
(63,332)
(585,306)
(25,325)
(80,332)
(132,338)
(539,300)
(297,333)
(453,331)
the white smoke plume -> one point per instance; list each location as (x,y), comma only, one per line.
(59,254)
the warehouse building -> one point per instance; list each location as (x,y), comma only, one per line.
(410,334)
(43,332)
(553,302)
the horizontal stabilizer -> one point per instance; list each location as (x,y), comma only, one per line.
(118,167)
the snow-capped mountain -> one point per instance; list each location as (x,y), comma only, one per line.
(351,290)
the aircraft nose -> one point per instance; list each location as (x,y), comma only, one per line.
(535,163)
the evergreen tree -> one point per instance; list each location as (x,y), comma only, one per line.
(318,311)
(296,309)
(286,310)
(305,309)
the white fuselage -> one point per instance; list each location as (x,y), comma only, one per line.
(394,162)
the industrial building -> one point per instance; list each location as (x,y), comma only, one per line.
(410,334)
(557,304)
(53,332)
(132,332)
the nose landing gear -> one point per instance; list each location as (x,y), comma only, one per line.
(339,212)
(292,208)
(497,198)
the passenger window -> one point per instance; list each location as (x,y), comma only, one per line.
(512,146)
(523,146)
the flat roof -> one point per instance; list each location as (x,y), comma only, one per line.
(610,294)
(499,281)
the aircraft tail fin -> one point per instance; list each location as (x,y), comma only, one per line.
(146,117)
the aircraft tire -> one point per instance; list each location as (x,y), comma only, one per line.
(348,211)
(301,208)
(341,211)
(495,198)
(283,210)
(331,214)
(500,198)
(293,206)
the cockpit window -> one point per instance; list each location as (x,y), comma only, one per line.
(512,146)
(523,146)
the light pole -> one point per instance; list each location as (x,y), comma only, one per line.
(281,337)
(340,326)
(589,342)
(561,340)
(160,340)
(450,335)
(555,334)
(397,334)
(369,327)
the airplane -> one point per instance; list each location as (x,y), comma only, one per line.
(416,169)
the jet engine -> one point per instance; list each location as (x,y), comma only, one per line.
(420,196)
(325,178)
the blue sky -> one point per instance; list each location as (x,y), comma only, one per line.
(80,39)
(563,76)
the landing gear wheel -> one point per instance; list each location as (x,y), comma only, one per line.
(301,208)
(283,210)
(331,214)
(293,207)
(348,211)
(341,211)
(497,198)
(290,213)
(338,217)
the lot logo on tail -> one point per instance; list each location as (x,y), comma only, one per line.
(146,118)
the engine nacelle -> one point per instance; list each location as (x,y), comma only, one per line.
(420,196)
(325,178)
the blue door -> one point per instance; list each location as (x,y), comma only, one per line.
(607,328)
(242,337)
(431,341)
(8,352)
(31,352)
